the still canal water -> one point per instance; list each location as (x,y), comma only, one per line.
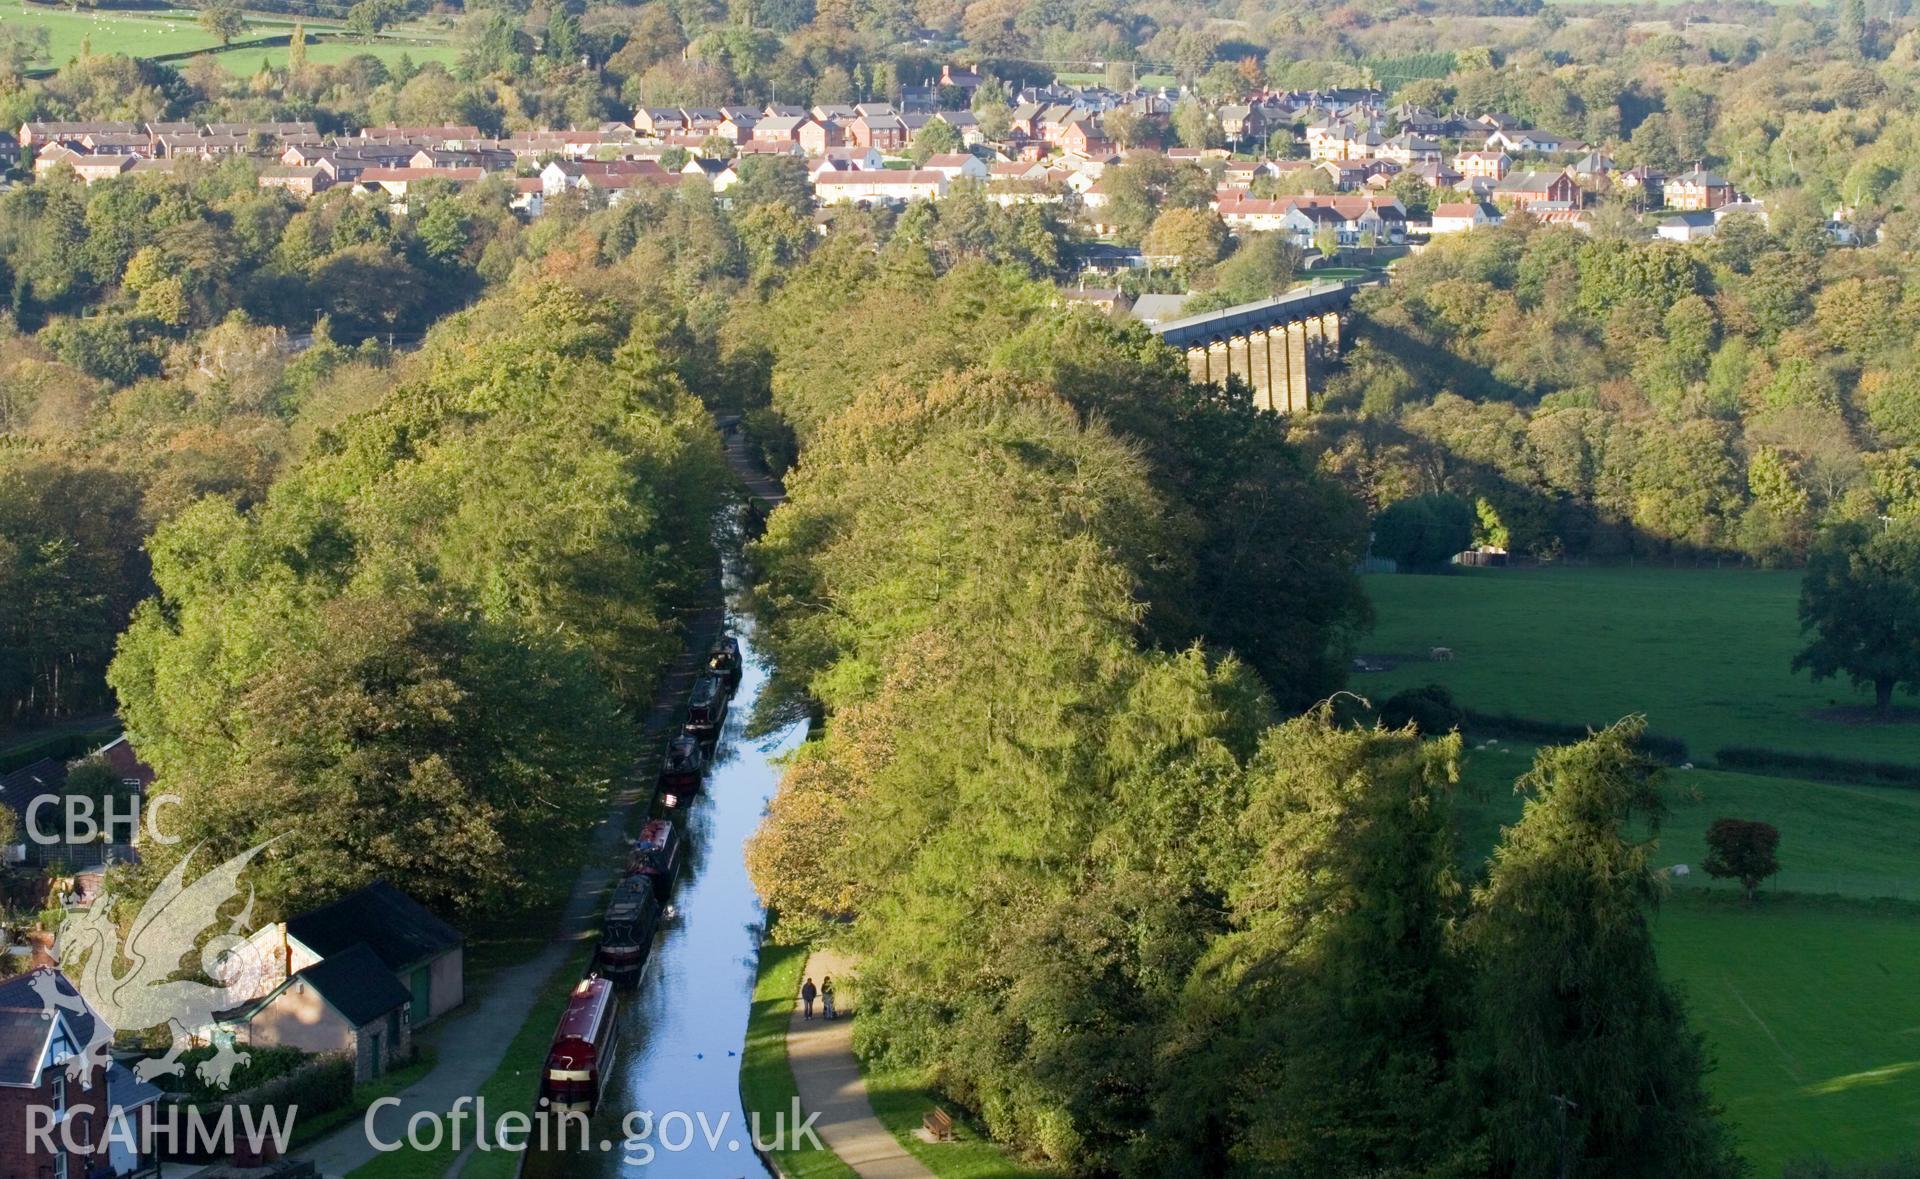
(683,1027)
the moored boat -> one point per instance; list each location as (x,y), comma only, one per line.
(626,929)
(707,706)
(682,770)
(580,1059)
(656,856)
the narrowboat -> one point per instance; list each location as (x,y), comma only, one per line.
(707,706)
(626,929)
(581,1057)
(680,773)
(725,661)
(656,856)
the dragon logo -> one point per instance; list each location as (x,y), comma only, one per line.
(147,994)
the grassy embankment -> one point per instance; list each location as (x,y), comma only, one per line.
(1804,996)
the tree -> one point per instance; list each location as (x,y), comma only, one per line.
(1194,123)
(1743,850)
(1195,236)
(297,51)
(1860,600)
(1337,967)
(1424,532)
(367,17)
(936,138)
(224,20)
(1579,1055)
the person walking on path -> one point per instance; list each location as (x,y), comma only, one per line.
(807,992)
(826,997)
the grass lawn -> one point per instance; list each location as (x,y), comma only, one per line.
(1810,1011)
(1805,1000)
(1704,653)
(1853,841)
(901,1099)
(108,31)
(766,1083)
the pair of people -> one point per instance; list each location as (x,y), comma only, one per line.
(824,992)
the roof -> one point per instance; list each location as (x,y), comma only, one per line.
(1702,220)
(1152,309)
(355,984)
(398,928)
(126,1091)
(883,176)
(26,1026)
(22,786)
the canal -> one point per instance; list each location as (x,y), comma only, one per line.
(683,1027)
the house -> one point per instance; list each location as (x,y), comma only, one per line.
(301,182)
(1111,303)
(424,953)
(395,182)
(40,134)
(1464,216)
(1242,122)
(1352,219)
(1535,142)
(879,187)
(966,123)
(108,1106)
(1438,175)
(817,136)
(36,794)
(1594,164)
(1527,189)
(1698,189)
(957,166)
(348,1003)
(563,175)
(1407,148)
(719,174)
(968,78)
(1083,135)
(449,136)
(878,128)
(739,123)
(780,128)
(701,121)
(1483,165)
(658,120)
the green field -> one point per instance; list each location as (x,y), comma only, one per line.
(1805,998)
(1853,841)
(146,34)
(1810,1011)
(137,34)
(1704,653)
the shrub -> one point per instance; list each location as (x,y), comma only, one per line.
(1670,750)
(1819,767)
(1429,708)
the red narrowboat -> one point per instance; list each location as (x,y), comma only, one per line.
(581,1057)
(656,856)
(626,929)
(680,772)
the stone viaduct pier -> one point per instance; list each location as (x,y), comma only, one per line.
(1278,346)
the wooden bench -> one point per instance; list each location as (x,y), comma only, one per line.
(938,1124)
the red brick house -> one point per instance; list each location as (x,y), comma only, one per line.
(35,1046)
(1084,135)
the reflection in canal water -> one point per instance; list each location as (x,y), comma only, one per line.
(682,1028)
